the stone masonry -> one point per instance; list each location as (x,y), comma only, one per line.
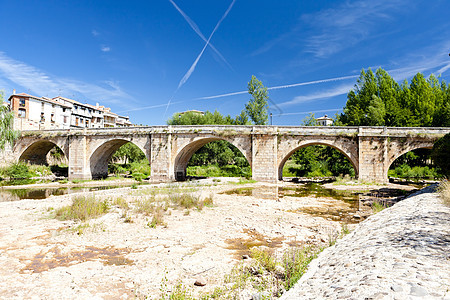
(371,150)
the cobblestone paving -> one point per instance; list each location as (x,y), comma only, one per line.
(400,253)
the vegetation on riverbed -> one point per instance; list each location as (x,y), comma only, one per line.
(267,274)
(444,192)
(83,208)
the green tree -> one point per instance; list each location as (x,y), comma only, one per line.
(441,155)
(7,133)
(310,120)
(129,153)
(257,107)
(376,111)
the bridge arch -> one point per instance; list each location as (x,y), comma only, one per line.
(289,152)
(101,154)
(401,147)
(186,151)
(35,152)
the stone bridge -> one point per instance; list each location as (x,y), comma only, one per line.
(371,150)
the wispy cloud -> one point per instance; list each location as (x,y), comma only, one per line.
(329,31)
(323,94)
(105,48)
(40,83)
(95,32)
(344,26)
(198,31)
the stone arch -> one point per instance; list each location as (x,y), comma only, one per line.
(36,152)
(399,149)
(304,144)
(183,156)
(98,160)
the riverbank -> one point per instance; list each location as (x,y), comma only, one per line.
(402,252)
(124,254)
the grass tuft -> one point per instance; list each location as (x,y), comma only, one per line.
(444,192)
(83,208)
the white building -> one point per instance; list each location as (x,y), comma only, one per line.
(324,121)
(33,113)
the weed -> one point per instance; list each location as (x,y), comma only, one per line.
(264,258)
(121,202)
(146,206)
(295,263)
(157,219)
(134,186)
(444,192)
(377,206)
(83,208)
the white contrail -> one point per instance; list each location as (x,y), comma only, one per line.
(312,82)
(307,112)
(199,33)
(192,68)
(282,87)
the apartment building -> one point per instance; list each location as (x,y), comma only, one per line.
(33,113)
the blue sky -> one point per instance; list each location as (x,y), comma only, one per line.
(150,59)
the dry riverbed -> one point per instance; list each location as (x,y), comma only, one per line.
(122,254)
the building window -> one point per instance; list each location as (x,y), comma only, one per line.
(52,118)
(42,106)
(22,113)
(76,121)
(22,102)
(65,119)
(42,117)
(64,110)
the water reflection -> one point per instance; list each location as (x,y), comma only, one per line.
(42,193)
(333,204)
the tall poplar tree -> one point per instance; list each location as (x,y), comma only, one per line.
(257,107)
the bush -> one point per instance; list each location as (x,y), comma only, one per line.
(18,170)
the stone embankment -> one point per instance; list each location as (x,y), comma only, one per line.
(402,252)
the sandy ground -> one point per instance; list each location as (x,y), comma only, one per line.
(111,258)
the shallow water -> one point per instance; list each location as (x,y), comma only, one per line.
(338,205)
(43,193)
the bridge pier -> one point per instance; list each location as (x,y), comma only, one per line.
(78,160)
(264,157)
(373,159)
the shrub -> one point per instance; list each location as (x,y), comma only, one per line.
(18,170)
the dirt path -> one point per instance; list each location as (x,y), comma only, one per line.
(120,256)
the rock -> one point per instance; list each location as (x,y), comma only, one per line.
(396,288)
(200,281)
(245,256)
(260,296)
(418,291)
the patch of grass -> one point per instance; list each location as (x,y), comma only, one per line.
(146,206)
(295,263)
(377,206)
(244,181)
(157,219)
(444,192)
(121,202)
(83,208)
(264,258)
